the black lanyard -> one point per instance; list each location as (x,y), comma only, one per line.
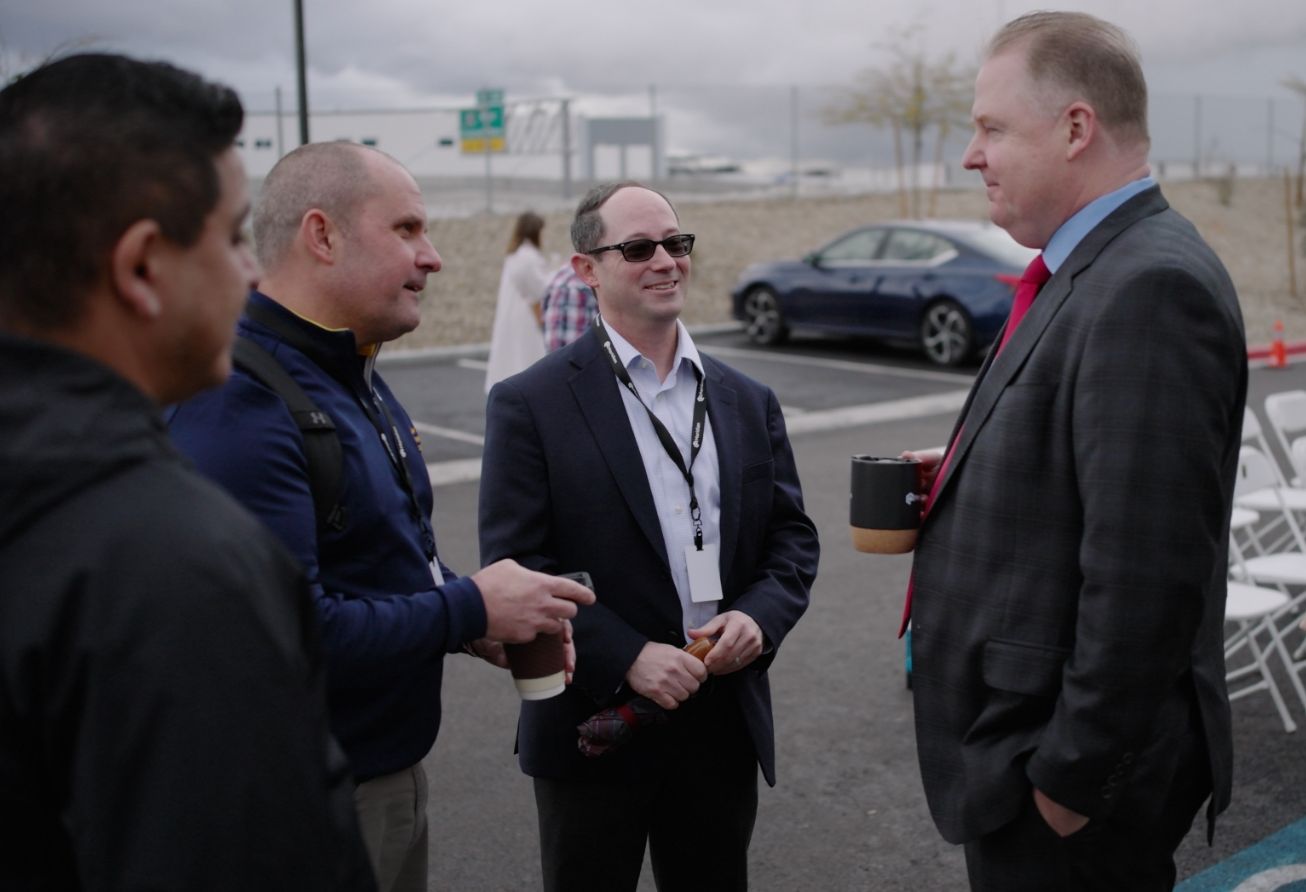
(664,435)
(399,461)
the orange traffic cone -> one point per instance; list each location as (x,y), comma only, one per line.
(1278,354)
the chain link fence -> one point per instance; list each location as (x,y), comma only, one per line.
(766,140)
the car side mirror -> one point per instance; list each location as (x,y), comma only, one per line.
(813,259)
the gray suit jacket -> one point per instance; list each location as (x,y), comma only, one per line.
(1070,576)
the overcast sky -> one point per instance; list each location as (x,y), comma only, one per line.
(393,53)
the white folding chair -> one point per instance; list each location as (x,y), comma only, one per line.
(1283,570)
(1297,458)
(1274,495)
(1286,413)
(1258,482)
(1243,521)
(1252,608)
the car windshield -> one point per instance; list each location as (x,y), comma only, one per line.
(860,246)
(997,244)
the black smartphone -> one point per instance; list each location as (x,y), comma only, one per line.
(580,576)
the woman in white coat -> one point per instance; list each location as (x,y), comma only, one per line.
(517,340)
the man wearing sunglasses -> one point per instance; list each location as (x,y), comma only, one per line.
(669,478)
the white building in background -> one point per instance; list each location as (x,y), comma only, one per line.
(530,175)
(427,142)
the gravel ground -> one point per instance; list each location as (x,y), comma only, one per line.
(1249,234)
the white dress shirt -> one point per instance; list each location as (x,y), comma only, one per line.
(672,401)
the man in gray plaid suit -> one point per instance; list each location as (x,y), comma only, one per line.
(1069,582)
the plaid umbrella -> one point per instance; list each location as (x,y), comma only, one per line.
(611,727)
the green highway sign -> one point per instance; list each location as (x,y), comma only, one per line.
(481,129)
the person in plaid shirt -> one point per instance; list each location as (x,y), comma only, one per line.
(569,306)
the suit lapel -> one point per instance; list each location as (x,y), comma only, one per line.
(595,389)
(723,416)
(998,372)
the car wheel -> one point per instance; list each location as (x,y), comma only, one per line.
(946,334)
(763,321)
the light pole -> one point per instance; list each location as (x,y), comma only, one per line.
(299,65)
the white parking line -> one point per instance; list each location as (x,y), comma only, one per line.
(449,433)
(876,413)
(464,470)
(479,365)
(469,469)
(840,364)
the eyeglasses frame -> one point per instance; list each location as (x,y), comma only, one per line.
(623,246)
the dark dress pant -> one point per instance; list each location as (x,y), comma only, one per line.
(694,807)
(1116,852)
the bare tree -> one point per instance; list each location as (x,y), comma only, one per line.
(1297,85)
(913,95)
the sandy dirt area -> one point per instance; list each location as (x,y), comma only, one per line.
(1249,234)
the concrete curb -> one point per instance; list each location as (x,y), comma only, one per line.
(399,356)
(459,351)
(1294,348)
(462,351)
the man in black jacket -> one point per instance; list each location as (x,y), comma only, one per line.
(162,716)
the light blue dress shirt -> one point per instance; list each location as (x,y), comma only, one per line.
(1072,232)
(672,401)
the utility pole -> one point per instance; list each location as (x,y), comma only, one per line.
(281,132)
(303,79)
(1269,136)
(566,148)
(793,140)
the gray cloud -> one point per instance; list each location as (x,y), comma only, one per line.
(384,52)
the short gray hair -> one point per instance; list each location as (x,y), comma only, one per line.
(1082,54)
(330,176)
(587,226)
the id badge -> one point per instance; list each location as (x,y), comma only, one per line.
(704,573)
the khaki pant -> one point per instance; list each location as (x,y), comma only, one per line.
(392,817)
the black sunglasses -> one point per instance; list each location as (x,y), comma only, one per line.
(641,249)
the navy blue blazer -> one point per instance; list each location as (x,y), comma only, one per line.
(563,488)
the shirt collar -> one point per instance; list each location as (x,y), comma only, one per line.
(685,349)
(332,348)
(367,351)
(1072,232)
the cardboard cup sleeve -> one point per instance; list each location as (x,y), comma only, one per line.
(884,504)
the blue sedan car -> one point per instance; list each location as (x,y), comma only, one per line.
(943,285)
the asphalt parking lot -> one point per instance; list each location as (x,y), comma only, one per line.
(848,812)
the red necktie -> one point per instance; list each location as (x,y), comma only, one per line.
(1031,281)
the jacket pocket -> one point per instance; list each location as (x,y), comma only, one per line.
(1030,669)
(1020,397)
(761,470)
